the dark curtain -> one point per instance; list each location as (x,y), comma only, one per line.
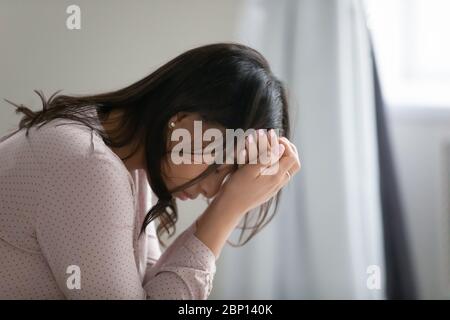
(400,280)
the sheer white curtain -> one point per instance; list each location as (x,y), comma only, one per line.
(328,229)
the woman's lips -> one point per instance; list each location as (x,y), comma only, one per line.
(184,196)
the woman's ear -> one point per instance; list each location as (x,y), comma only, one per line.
(173,120)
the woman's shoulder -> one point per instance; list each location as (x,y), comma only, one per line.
(61,137)
(63,141)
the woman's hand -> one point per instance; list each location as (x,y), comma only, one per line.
(252,184)
(264,173)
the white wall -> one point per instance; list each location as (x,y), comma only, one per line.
(117,44)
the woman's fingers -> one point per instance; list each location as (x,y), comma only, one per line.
(274,147)
(271,155)
(252,149)
(289,161)
(291,150)
(249,152)
(263,147)
(271,166)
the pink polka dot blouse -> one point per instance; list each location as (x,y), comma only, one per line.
(70,216)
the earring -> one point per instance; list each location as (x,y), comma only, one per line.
(172,124)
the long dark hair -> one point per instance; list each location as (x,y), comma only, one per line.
(225,83)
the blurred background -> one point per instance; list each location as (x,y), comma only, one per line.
(368,215)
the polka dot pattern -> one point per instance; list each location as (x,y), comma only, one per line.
(66,199)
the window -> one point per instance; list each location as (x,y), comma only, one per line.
(412,45)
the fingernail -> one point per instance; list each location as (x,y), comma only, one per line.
(272,132)
(250,138)
(260,132)
(281,149)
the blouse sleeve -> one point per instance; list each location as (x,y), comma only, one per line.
(187,266)
(153,247)
(85,227)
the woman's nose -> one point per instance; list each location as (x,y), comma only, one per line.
(210,189)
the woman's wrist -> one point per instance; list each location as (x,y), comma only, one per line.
(218,221)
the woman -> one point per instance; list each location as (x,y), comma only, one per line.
(69,220)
